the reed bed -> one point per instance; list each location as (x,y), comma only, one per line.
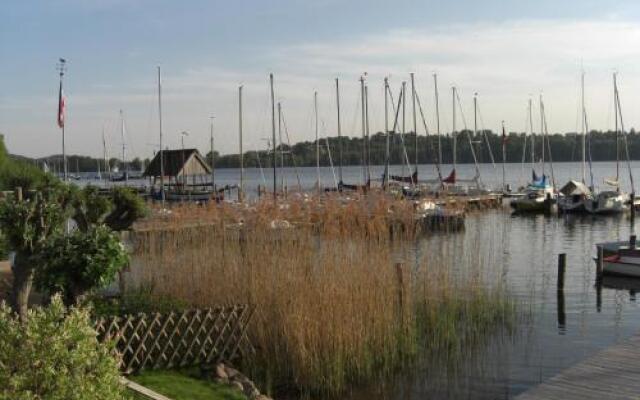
(339,298)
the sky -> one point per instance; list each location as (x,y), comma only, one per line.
(505,51)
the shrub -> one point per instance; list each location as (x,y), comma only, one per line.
(79,262)
(54,355)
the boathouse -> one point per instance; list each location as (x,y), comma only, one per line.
(183,167)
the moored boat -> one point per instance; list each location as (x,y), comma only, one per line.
(538,197)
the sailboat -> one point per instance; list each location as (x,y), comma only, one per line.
(575,195)
(367,179)
(539,195)
(474,184)
(413,178)
(614,201)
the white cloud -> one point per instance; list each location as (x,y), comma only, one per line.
(505,63)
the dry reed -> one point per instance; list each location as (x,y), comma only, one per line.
(337,299)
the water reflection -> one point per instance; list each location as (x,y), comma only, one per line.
(557,329)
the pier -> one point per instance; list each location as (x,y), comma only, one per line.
(614,373)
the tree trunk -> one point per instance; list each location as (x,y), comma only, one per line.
(22,282)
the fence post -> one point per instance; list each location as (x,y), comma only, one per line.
(599,263)
(562,264)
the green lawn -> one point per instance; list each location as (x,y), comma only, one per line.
(180,385)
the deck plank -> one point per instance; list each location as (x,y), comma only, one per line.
(613,373)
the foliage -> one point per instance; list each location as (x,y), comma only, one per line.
(564,147)
(17,172)
(185,385)
(90,208)
(28,224)
(54,355)
(127,208)
(138,301)
(81,261)
(77,163)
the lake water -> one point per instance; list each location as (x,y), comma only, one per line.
(520,252)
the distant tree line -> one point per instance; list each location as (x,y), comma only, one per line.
(77,163)
(567,147)
(564,147)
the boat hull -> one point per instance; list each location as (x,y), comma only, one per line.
(605,204)
(612,266)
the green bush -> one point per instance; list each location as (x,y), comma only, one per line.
(14,172)
(79,262)
(137,301)
(54,355)
(127,208)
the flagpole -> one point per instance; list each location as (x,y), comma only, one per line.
(61,107)
(504,148)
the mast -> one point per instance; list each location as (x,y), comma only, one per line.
(386,131)
(533,141)
(104,155)
(339,131)
(584,133)
(273,138)
(366,118)
(162,195)
(454,137)
(315,111)
(626,147)
(504,157)
(615,109)
(281,147)
(435,82)
(364,129)
(542,132)
(404,128)
(415,123)
(475,116)
(213,161)
(241,191)
(124,162)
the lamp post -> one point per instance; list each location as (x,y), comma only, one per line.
(184,179)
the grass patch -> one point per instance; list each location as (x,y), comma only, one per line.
(180,385)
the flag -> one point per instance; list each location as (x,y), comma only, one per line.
(451,178)
(505,139)
(61,106)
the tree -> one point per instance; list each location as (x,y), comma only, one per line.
(54,354)
(75,264)
(27,225)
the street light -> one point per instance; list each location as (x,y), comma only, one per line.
(184,179)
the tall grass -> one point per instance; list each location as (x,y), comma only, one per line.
(338,297)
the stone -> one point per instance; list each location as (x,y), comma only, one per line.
(231,372)
(220,372)
(251,391)
(237,385)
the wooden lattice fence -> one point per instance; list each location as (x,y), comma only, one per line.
(178,339)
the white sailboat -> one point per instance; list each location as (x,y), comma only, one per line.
(574,196)
(539,196)
(614,201)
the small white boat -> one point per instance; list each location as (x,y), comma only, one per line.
(574,197)
(538,197)
(608,202)
(626,262)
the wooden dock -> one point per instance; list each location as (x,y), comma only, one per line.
(614,373)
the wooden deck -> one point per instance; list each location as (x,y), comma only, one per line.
(614,373)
